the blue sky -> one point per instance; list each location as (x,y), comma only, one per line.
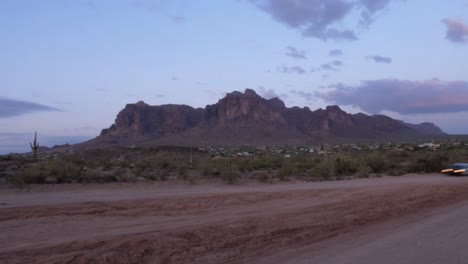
(69,66)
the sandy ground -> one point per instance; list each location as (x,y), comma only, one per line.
(354,221)
(433,237)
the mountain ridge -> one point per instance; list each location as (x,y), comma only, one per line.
(249,119)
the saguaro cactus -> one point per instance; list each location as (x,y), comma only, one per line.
(34,146)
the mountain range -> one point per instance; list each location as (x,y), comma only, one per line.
(248,119)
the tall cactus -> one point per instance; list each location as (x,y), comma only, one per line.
(34,146)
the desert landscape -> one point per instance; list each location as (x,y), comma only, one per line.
(218,223)
(247,131)
(125,197)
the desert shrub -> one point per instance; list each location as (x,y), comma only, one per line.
(377,162)
(363,171)
(63,171)
(230,177)
(182,172)
(5,157)
(304,164)
(57,170)
(344,166)
(457,156)
(105,179)
(230,174)
(163,175)
(437,161)
(262,177)
(416,165)
(286,171)
(165,165)
(140,166)
(203,167)
(397,171)
(428,162)
(325,169)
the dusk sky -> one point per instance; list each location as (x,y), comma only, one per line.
(67,67)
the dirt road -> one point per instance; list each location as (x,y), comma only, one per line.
(365,221)
(434,237)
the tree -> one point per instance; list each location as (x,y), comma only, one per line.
(34,146)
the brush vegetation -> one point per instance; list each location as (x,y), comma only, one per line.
(193,165)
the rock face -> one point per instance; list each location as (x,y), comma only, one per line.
(248,119)
(141,119)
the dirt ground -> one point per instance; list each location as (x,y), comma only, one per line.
(205,223)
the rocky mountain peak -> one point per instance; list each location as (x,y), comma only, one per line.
(276,102)
(333,108)
(250,92)
(247,118)
(141,103)
(245,107)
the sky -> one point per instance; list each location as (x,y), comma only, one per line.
(67,67)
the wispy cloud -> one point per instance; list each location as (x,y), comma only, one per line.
(335,52)
(177,19)
(12,107)
(309,97)
(270,93)
(380,59)
(331,66)
(369,9)
(457,31)
(291,69)
(295,53)
(160,7)
(401,96)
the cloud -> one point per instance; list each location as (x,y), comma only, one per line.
(294,53)
(267,93)
(380,59)
(320,18)
(335,52)
(401,96)
(369,10)
(215,93)
(161,7)
(310,97)
(332,66)
(11,107)
(177,19)
(456,30)
(328,67)
(292,69)
(331,34)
